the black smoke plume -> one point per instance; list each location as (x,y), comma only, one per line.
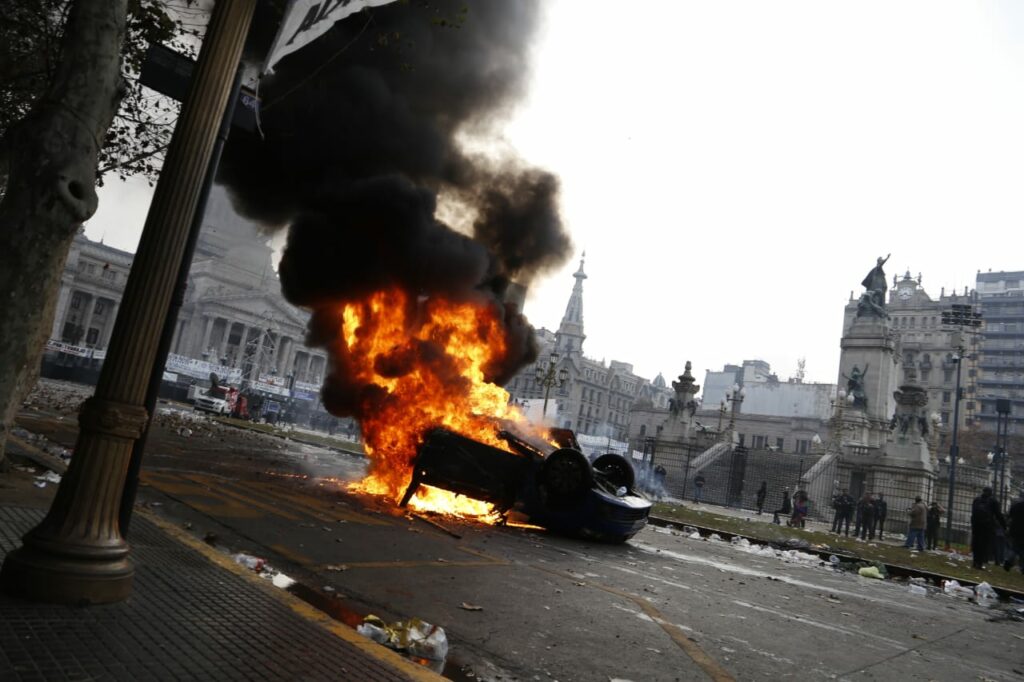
(361,138)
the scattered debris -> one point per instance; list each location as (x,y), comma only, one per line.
(917,590)
(870,572)
(337,567)
(470,607)
(249,561)
(414,636)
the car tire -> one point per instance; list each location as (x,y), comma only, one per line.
(616,469)
(566,476)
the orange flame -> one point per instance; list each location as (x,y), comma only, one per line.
(421,364)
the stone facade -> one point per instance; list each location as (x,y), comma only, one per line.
(596,397)
(93,280)
(234,319)
(234,314)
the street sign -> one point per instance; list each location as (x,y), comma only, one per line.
(170,73)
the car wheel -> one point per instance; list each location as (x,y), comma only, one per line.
(566,476)
(616,469)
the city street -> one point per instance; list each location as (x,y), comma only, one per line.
(518,603)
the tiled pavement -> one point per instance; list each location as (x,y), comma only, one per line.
(187,619)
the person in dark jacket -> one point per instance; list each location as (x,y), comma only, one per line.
(985,515)
(786,508)
(762,493)
(1015,534)
(843,506)
(933,523)
(866,513)
(881,510)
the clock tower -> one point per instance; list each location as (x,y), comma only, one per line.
(905,289)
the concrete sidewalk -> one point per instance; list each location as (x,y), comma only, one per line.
(193,615)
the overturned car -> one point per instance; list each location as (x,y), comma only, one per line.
(554,487)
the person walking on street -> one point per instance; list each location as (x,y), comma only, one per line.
(1015,534)
(918,521)
(762,493)
(866,511)
(931,534)
(881,510)
(698,487)
(786,507)
(985,515)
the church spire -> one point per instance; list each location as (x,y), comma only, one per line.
(570,336)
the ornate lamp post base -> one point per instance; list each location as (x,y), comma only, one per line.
(62,575)
(77,555)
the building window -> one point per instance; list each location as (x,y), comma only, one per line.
(803,446)
(76,301)
(945,417)
(100,306)
(90,338)
(947,375)
(758,443)
(946,397)
(778,443)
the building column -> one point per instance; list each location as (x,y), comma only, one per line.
(87,319)
(76,554)
(61,314)
(223,350)
(115,306)
(207,330)
(179,330)
(240,353)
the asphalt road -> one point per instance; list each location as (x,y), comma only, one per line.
(662,607)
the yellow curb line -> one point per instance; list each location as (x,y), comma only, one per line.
(369,647)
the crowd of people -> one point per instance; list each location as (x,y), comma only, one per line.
(994,538)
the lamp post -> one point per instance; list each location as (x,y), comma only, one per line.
(959,317)
(735,396)
(722,408)
(998,455)
(549,377)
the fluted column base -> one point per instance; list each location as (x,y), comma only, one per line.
(77,555)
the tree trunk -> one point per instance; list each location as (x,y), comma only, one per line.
(51,160)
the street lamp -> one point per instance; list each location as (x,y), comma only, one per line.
(998,455)
(735,396)
(960,317)
(549,377)
(722,408)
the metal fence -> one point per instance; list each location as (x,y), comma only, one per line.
(731,477)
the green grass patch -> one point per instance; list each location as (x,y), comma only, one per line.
(766,531)
(311,439)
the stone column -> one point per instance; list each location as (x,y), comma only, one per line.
(207,330)
(223,350)
(76,554)
(63,300)
(242,343)
(108,333)
(87,319)
(178,331)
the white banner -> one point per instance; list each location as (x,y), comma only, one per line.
(306,20)
(200,369)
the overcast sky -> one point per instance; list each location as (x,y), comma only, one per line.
(734,169)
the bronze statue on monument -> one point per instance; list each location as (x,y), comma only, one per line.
(872,301)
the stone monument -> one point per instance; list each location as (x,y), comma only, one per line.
(886,428)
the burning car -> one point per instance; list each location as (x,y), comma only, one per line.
(552,486)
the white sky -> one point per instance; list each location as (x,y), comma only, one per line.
(734,169)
